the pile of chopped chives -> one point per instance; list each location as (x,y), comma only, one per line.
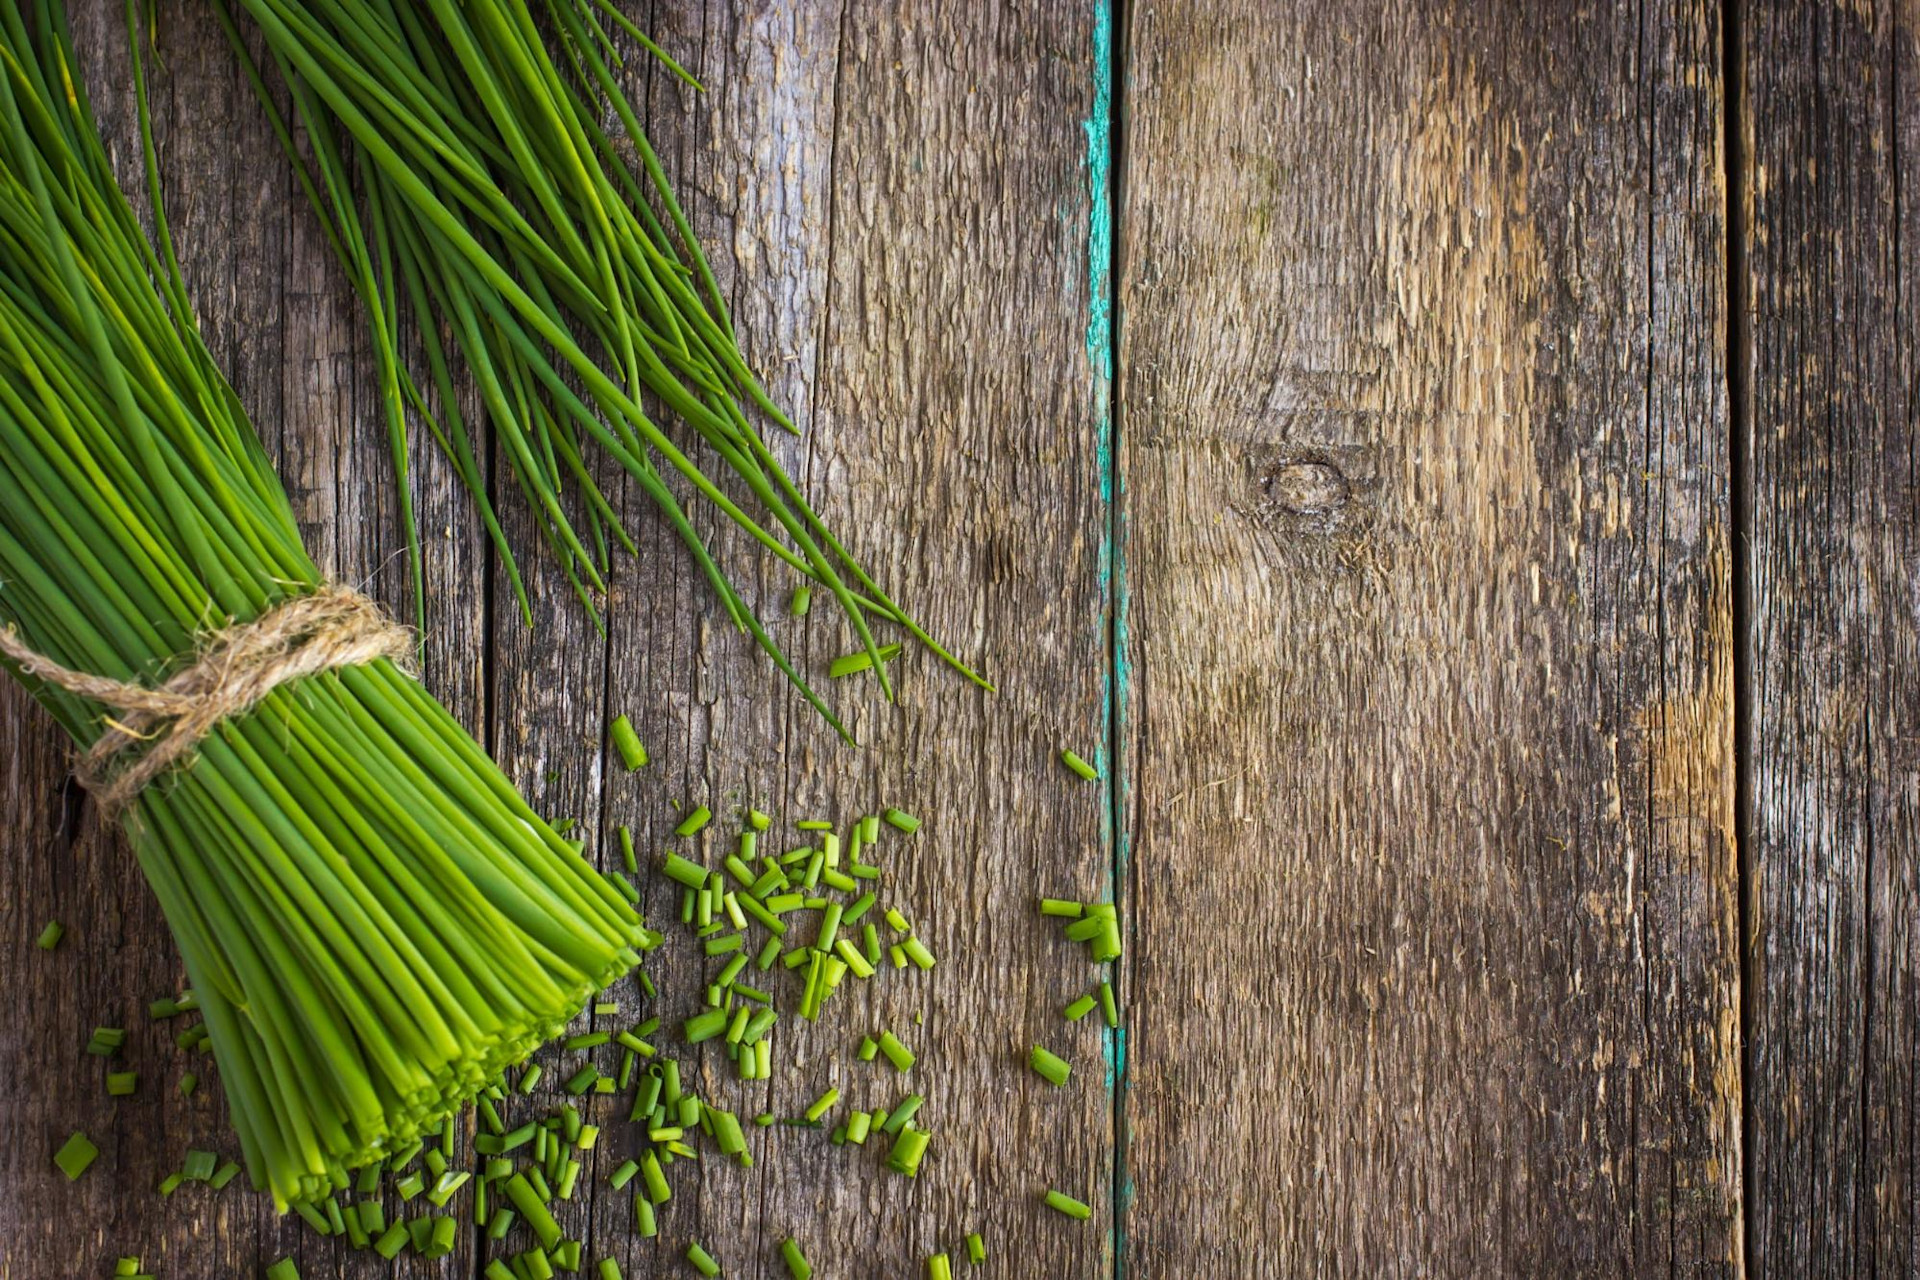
(501,188)
(374,922)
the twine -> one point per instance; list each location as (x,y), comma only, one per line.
(333,627)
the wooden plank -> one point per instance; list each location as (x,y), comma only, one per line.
(881,192)
(1831,122)
(1424,441)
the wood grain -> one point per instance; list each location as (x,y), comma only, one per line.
(1425,454)
(1833,129)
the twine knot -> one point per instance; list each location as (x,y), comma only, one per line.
(334,626)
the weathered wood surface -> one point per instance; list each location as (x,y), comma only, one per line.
(1831,123)
(1466,623)
(1425,455)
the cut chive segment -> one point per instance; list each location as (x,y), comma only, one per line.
(1079,766)
(1079,1008)
(627,743)
(939,1267)
(694,821)
(976,1248)
(702,1260)
(1061,1202)
(898,1054)
(1052,1068)
(797,1266)
(50,936)
(74,1155)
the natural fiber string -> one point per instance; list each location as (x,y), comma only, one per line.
(332,627)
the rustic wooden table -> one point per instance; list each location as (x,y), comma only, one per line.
(1455,463)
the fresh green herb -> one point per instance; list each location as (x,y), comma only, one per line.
(74,1155)
(1109,1008)
(693,822)
(976,1248)
(702,1260)
(1079,1008)
(1052,1068)
(939,1268)
(1063,1203)
(1079,766)
(627,743)
(50,936)
(121,1084)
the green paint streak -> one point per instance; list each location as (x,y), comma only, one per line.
(1100,210)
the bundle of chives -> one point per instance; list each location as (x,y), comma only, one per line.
(374,923)
(493,203)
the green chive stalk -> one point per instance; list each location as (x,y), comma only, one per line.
(375,924)
(499,187)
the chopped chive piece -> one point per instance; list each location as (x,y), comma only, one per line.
(162,1008)
(283,1270)
(898,1054)
(626,850)
(644,1224)
(627,743)
(74,1155)
(532,1207)
(976,1248)
(530,1077)
(702,1260)
(121,1084)
(685,871)
(1079,1008)
(868,1048)
(719,946)
(917,952)
(1066,908)
(898,921)
(170,1183)
(610,1270)
(858,1125)
(1052,1068)
(797,1266)
(823,1104)
(198,1165)
(854,663)
(759,821)
(1079,766)
(901,820)
(1109,1008)
(897,1119)
(223,1175)
(392,1241)
(1064,1203)
(939,1268)
(813,824)
(861,905)
(899,956)
(587,1040)
(50,936)
(800,601)
(188,1083)
(582,1080)
(694,821)
(908,1148)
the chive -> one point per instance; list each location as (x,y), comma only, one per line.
(587,1040)
(858,1125)
(897,1119)
(917,952)
(899,956)
(813,824)
(391,1241)
(685,871)
(1079,1008)
(198,1165)
(644,1224)
(656,1181)
(721,945)
(283,1270)
(1053,1069)
(121,1084)
(898,1054)
(854,663)
(627,743)
(976,1248)
(702,1260)
(823,1104)
(1086,771)
(759,821)
(908,1149)
(868,1048)
(533,1209)
(162,1008)
(901,820)
(898,921)
(74,1155)
(829,926)
(501,1223)
(939,1268)
(497,1270)
(800,601)
(627,856)
(694,821)
(223,1175)
(1109,1007)
(861,905)
(50,936)
(610,1270)
(170,1184)
(1064,907)
(797,1266)
(1066,1204)
(530,1077)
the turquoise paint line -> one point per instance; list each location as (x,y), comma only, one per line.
(1100,205)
